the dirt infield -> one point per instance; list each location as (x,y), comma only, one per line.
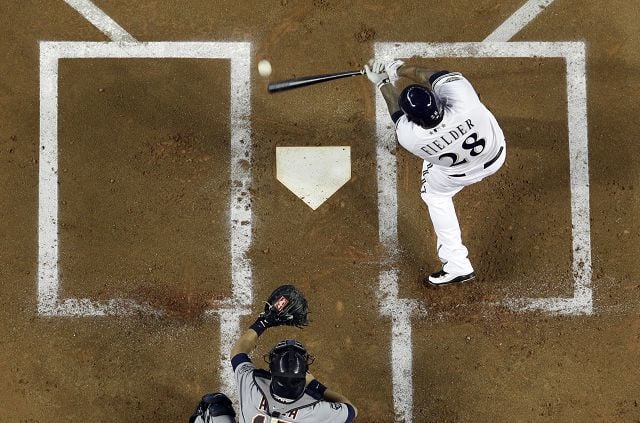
(144,152)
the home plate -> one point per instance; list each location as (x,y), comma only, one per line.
(313,173)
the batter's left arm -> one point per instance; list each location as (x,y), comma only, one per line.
(377,75)
(391,94)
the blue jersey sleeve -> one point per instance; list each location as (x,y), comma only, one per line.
(352,413)
(238,359)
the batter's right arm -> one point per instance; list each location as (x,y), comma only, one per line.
(415,73)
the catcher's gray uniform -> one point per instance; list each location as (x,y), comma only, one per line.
(257,405)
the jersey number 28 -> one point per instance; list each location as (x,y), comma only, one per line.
(470,143)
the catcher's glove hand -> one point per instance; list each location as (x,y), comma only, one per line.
(285,306)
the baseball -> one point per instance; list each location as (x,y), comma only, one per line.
(264,68)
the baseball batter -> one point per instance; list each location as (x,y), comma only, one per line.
(442,121)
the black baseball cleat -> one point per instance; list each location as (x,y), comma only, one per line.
(441,277)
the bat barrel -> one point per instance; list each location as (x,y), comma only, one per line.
(309,80)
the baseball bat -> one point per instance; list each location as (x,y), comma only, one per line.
(305,81)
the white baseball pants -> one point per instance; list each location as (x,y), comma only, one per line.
(437,191)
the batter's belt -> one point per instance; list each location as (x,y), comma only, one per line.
(486,165)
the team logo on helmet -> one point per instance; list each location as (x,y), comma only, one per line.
(421,106)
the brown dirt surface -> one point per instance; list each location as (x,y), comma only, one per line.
(144,152)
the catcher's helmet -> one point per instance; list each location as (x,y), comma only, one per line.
(288,363)
(421,106)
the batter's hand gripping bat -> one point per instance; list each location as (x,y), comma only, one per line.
(305,81)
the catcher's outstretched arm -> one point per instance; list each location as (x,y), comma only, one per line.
(246,343)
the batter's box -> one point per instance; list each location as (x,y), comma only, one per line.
(574,55)
(240,215)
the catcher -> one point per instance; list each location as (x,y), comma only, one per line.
(287,392)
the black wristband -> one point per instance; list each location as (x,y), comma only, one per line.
(258,326)
(316,389)
(383,82)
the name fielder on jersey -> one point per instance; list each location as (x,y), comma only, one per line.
(450,137)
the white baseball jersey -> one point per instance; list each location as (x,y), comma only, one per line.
(468,138)
(257,408)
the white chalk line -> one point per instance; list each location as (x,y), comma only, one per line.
(232,50)
(516,22)
(581,302)
(229,332)
(48,186)
(101,20)
(240,213)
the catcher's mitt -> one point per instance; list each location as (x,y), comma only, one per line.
(286,306)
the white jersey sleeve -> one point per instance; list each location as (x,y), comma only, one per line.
(456,92)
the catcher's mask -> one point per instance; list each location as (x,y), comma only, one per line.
(421,106)
(288,363)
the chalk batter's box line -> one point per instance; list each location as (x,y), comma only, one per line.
(240,215)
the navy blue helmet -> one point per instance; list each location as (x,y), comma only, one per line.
(421,106)
(288,364)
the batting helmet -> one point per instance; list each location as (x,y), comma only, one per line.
(421,106)
(288,364)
